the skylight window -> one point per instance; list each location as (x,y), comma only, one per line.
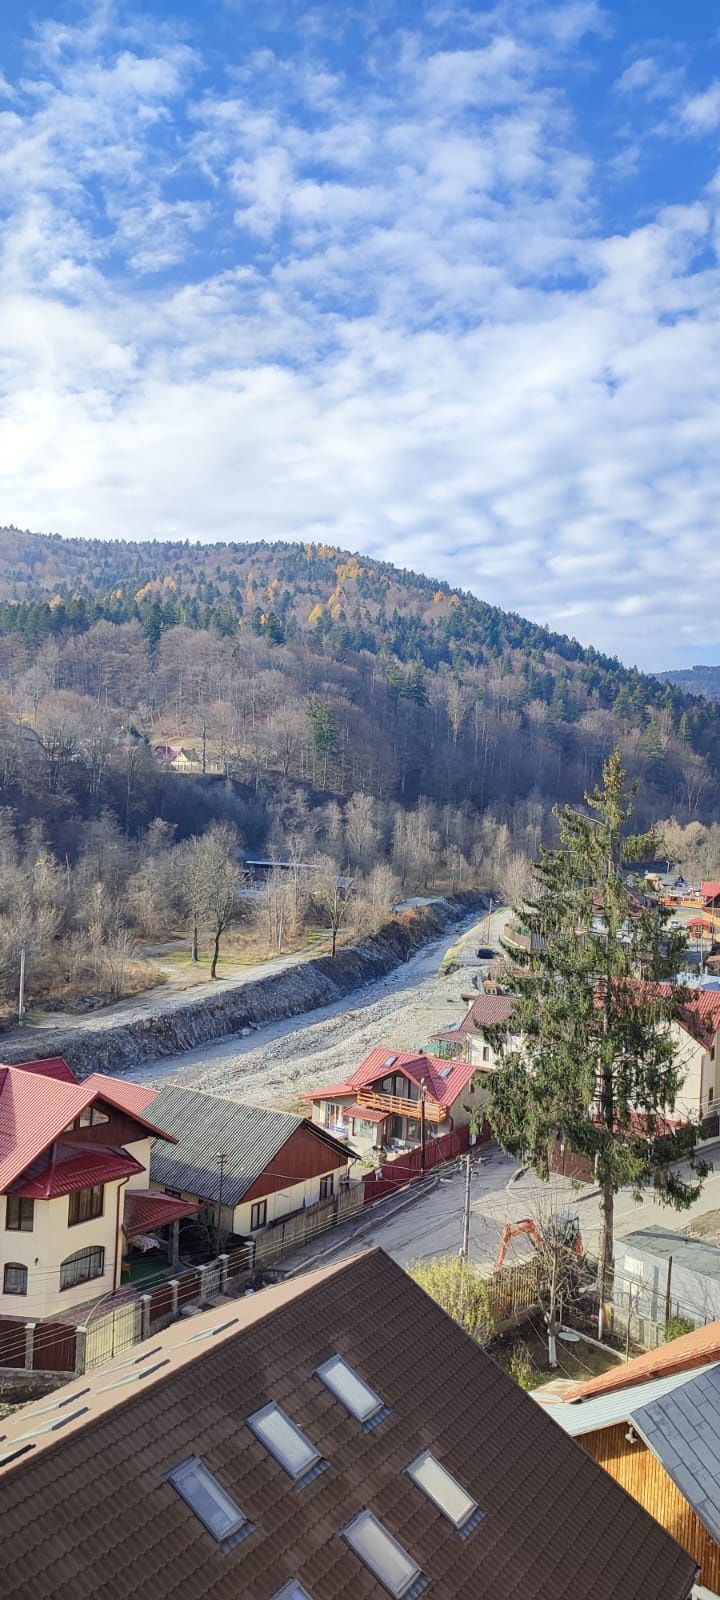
(444,1490)
(284,1440)
(384,1557)
(292,1591)
(350,1389)
(206,1497)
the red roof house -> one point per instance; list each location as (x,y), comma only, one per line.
(71,1154)
(381,1102)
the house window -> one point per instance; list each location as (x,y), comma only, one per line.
(14,1278)
(19,1214)
(285,1441)
(444,1490)
(326,1187)
(384,1557)
(85,1204)
(82,1266)
(206,1497)
(258,1215)
(333,1114)
(486,1053)
(711,1095)
(349,1388)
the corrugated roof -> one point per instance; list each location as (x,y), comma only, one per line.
(206,1126)
(147,1209)
(77,1167)
(690,1351)
(697,1255)
(683,1430)
(444,1080)
(589,1416)
(50,1067)
(488,1011)
(35,1110)
(89,1509)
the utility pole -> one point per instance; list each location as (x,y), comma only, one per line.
(668,1285)
(422,1129)
(218,1231)
(21,995)
(464,1249)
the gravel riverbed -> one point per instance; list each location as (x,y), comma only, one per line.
(279,1063)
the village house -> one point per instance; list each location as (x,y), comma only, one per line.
(394,1097)
(652,1424)
(661,1274)
(475,1039)
(336,1435)
(247,1168)
(177,757)
(74,1185)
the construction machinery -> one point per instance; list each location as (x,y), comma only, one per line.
(562,1231)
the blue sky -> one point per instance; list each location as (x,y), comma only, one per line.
(436,281)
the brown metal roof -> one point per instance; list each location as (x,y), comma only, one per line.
(89,1511)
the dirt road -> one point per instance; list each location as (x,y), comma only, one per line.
(282,1061)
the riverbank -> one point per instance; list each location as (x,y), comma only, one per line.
(284,1060)
(125,1046)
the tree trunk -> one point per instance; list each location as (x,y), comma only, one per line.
(334,939)
(216,952)
(195,939)
(605,1280)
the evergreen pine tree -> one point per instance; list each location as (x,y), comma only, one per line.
(592,1061)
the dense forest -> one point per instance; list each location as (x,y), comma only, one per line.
(331,710)
(696,680)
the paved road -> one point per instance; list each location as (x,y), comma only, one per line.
(429,1223)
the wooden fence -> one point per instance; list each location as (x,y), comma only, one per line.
(300,1226)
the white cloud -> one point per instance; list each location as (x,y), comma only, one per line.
(377,309)
(701,112)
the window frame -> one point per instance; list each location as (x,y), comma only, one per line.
(194,1465)
(259,1207)
(19,1200)
(322,1372)
(77,1256)
(75,1199)
(15,1266)
(398,1591)
(473,1507)
(327,1186)
(254,1422)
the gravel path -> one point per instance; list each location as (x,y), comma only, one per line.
(280,1062)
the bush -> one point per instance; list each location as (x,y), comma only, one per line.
(460,1290)
(675,1327)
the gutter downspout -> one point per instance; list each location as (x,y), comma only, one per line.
(118,1252)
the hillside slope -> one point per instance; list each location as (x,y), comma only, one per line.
(302,663)
(695,680)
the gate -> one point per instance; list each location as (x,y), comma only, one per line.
(212,1280)
(114,1332)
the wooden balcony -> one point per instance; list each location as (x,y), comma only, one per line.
(396,1106)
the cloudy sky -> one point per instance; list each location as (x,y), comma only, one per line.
(435,281)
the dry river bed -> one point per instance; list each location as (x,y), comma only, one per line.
(279,1063)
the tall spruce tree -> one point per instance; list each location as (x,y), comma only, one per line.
(592,1061)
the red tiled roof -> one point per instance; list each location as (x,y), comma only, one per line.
(488,1011)
(443,1080)
(366,1113)
(698,1012)
(51,1067)
(78,1168)
(36,1109)
(679,1355)
(147,1209)
(710,889)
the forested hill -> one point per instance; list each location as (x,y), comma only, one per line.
(305,664)
(696,680)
